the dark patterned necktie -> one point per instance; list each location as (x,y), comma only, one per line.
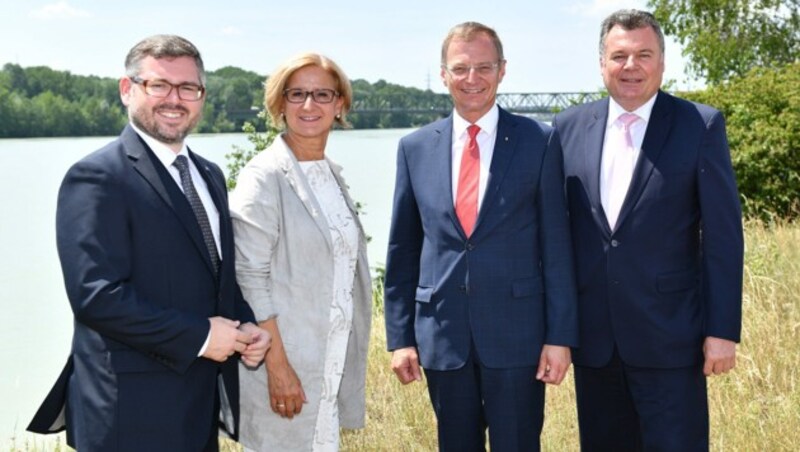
(182,163)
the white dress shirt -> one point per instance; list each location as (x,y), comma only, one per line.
(637,131)
(167,157)
(486,138)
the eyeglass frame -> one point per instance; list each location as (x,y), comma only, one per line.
(494,66)
(311,93)
(201,90)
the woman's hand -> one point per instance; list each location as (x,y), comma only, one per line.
(286,395)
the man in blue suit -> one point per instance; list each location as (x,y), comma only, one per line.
(656,224)
(479,276)
(146,248)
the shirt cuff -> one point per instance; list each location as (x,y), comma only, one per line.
(205,344)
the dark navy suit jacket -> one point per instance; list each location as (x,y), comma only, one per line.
(671,273)
(142,288)
(509,288)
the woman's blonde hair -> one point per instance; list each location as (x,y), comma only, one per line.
(276,83)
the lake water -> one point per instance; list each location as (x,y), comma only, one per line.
(36,323)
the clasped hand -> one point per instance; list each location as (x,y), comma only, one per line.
(230,336)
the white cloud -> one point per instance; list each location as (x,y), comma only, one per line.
(231,31)
(58,10)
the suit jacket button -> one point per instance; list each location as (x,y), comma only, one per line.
(462,289)
(614,243)
(470,246)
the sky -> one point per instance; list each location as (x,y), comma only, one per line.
(550,46)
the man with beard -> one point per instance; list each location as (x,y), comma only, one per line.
(146,248)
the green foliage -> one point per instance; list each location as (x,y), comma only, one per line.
(376,101)
(232,100)
(39,101)
(378,284)
(727,38)
(762,111)
(260,141)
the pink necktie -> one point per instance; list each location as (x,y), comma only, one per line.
(619,176)
(468,176)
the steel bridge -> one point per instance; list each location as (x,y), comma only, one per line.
(542,105)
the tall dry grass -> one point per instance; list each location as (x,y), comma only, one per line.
(756,407)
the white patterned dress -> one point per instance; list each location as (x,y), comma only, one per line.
(344,237)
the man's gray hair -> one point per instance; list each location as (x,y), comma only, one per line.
(162,46)
(630,19)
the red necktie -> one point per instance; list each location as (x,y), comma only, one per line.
(468,176)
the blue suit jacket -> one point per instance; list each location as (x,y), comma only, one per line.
(509,288)
(671,273)
(142,288)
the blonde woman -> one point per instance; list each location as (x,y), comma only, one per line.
(301,263)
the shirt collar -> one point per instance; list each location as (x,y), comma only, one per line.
(166,155)
(643,112)
(487,122)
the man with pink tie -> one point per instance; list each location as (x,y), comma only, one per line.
(657,231)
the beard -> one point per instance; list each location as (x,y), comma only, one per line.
(146,121)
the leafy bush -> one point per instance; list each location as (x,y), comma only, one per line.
(239,157)
(762,111)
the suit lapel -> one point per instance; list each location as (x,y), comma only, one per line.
(145,164)
(297,181)
(441,164)
(595,134)
(655,136)
(154,173)
(213,187)
(504,146)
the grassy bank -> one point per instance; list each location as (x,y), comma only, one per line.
(754,408)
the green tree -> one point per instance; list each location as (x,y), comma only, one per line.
(17,79)
(386,105)
(762,111)
(101,117)
(726,38)
(8,115)
(41,79)
(57,116)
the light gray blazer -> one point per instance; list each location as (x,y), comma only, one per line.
(284,266)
